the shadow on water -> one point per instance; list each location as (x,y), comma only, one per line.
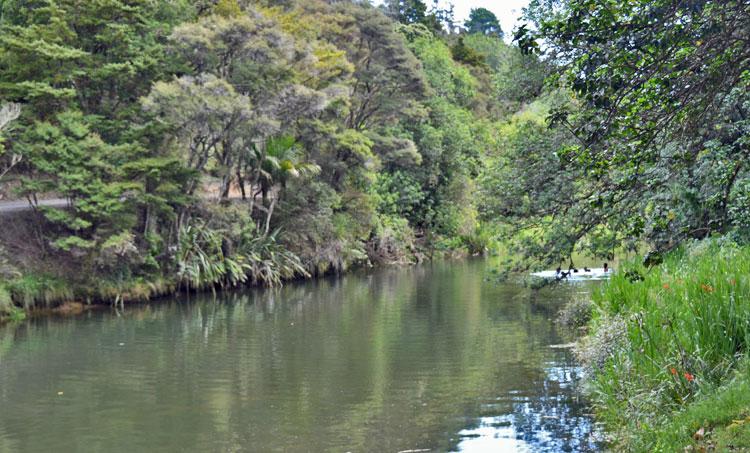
(424,358)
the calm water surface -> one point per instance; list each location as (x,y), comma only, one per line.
(426,358)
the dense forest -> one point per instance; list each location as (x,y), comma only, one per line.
(201,144)
(217,143)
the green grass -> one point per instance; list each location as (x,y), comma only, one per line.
(29,292)
(686,330)
(39,291)
(723,415)
(8,310)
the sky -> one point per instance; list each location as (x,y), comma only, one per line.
(507,11)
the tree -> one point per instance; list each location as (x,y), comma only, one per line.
(465,54)
(244,93)
(483,21)
(516,78)
(407,11)
(8,113)
(535,192)
(79,69)
(387,75)
(76,163)
(663,93)
(274,164)
(208,117)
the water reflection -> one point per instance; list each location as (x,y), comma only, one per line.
(427,358)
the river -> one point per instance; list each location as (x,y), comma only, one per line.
(433,357)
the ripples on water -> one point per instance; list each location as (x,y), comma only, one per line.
(426,358)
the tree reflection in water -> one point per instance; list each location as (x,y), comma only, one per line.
(430,357)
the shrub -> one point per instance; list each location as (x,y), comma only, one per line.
(576,313)
(7,309)
(266,261)
(206,258)
(393,241)
(481,241)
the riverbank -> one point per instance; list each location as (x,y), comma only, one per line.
(666,352)
(44,292)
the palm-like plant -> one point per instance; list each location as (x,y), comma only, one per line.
(202,263)
(274,164)
(268,262)
(201,260)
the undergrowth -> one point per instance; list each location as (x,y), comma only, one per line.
(666,337)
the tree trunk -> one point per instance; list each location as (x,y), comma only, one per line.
(226,183)
(241,183)
(146,220)
(268,217)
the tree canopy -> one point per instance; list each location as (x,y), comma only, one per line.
(337,132)
(608,125)
(483,21)
(660,90)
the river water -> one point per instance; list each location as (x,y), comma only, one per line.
(434,357)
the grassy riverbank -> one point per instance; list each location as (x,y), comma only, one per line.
(667,351)
(49,293)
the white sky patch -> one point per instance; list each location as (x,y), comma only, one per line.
(507,11)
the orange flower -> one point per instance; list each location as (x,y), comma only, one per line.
(689,377)
(673,370)
(707,288)
(665,286)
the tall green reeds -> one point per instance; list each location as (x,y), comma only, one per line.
(687,327)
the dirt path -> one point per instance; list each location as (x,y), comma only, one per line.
(7,207)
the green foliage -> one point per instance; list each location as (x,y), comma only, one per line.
(201,261)
(400,195)
(6,303)
(481,241)
(268,262)
(39,291)
(394,243)
(526,184)
(447,78)
(721,413)
(81,120)
(657,144)
(74,162)
(389,76)
(686,326)
(204,261)
(577,313)
(185,133)
(415,12)
(8,310)
(407,11)
(465,54)
(227,8)
(483,21)
(516,79)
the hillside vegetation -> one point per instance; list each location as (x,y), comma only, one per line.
(207,144)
